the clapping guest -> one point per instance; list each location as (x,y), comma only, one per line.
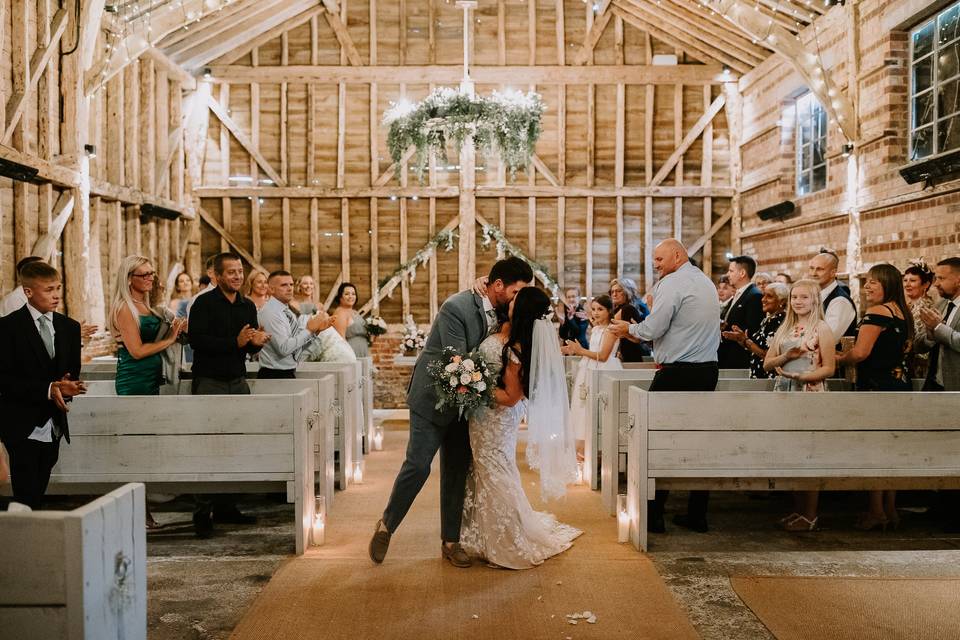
(288,332)
(136,327)
(838,309)
(802,353)
(917,279)
(256,289)
(224,330)
(629,307)
(39,375)
(348,322)
(744,312)
(774,301)
(884,338)
(182,293)
(304,300)
(762,279)
(573,318)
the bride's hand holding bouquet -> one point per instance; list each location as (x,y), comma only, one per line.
(462,380)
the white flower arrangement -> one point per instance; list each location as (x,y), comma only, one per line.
(462,381)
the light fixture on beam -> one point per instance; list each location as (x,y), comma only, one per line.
(207,73)
(91,151)
(847,149)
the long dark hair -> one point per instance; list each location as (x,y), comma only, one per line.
(343,287)
(530,305)
(892,282)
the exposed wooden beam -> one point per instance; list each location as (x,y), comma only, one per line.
(174,70)
(691,136)
(224,234)
(392,169)
(225,119)
(211,27)
(238,52)
(340,30)
(38,63)
(594,34)
(545,171)
(698,244)
(689,74)
(46,244)
(518,190)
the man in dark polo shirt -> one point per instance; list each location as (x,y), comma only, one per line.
(223,330)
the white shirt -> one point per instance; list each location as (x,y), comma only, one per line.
(288,335)
(840,313)
(43,433)
(948,321)
(487,308)
(12,301)
(210,287)
(956,305)
(733,300)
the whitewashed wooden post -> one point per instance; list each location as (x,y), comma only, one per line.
(468,176)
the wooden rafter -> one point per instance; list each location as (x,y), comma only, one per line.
(340,29)
(241,137)
(174,70)
(224,234)
(452,191)
(594,33)
(688,140)
(187,31)
(245,48)
(688,74)
(806,63)
(38,63)
(212,26)
(46,244)
(722,35)
(702,240)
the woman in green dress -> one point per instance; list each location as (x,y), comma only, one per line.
(135,327)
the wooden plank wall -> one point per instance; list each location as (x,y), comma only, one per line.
(327,135)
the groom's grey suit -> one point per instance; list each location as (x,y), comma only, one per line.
(461,324)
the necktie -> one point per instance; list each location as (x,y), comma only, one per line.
(292,319)
(935,370)
(46,334)
(491,321)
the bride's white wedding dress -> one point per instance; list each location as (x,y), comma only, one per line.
(499,524)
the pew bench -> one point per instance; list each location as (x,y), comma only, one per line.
(742,440)
(76,575)
(197,444)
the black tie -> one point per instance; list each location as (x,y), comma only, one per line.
(935,354)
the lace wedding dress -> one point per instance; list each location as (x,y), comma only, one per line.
(499,524)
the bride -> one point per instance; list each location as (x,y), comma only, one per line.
(499,525)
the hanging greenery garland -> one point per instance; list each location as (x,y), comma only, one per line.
(494,234)
(508,124)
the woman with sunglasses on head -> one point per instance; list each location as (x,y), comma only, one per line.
(137,326)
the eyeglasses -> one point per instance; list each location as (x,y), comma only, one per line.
(147,275)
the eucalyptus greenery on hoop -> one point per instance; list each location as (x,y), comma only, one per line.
(505,123)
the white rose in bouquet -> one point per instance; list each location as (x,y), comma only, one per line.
(465,378)
(468,365)
(450,368)
(453,381)
(480,386)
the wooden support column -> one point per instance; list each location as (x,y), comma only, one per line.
(374,119)
(131,125)
(531,173)
(314,245)
(225,135)
(648,174)
(735,133)
(227,216)
(706,180)
(561,147)
(24,214)
(285,232)
(255,232)
(47,107)
(677,139)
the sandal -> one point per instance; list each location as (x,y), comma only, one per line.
(801,523)
(153,525)
(787,518)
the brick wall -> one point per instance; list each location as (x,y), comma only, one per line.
(897,221)
(392,378)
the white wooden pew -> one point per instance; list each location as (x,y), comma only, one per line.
(787,441)
(76,575)
(196,444)
(631,371)
(322,405)
(366,396)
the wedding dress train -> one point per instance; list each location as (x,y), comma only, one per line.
(499,524)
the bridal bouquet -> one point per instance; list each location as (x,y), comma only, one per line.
(463,381)
(413,341)
(376,326)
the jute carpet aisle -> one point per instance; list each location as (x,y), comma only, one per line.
(335,591)
(800,608)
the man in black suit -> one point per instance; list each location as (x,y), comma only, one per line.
(745,311)
(39,375)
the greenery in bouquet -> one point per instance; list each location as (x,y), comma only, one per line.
(464,381)
(376,326)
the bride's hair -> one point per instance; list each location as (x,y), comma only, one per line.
(530,305)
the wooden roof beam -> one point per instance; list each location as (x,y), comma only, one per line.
(688,140)
(593,35)
(172,41)
(175,71)
(245,142)
(838,106)
(238,52)
(340,30)
(694,12)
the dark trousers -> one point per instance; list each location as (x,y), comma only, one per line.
(276,374)
(30,466)
(207,387)
(685,377)
(426,438)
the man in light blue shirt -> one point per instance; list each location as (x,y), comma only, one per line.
(288,332)
(684,327)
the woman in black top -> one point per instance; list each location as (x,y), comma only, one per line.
(774,301)
(628,306)
(881,353)
(573,319)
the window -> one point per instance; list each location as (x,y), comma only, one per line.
(811,145)
(934,82)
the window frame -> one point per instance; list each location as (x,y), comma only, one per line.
(804,152)
(935,83)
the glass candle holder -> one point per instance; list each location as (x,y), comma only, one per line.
(623,519)
(378,438)
(319,520)
(358,472)
(580,472)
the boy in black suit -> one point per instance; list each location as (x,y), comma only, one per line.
(745,311)
(39,371)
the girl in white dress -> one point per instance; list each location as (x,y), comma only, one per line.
(499,524)
(600,355)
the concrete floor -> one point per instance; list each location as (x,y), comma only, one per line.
(199,589)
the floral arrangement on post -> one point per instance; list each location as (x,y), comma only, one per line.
(376,326)
(462,380)
(414,340)
(507,123)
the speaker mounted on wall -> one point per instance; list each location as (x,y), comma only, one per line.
(777,211)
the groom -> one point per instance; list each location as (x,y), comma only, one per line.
(464,321)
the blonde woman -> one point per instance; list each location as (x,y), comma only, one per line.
(136,326)
(256,288)
(303,298)
(802,354)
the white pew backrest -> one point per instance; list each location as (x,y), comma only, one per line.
(788,441)
(76,575)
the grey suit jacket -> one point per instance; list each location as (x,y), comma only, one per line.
(948,337)
(462,324)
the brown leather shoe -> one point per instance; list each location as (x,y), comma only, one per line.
(379,543)
(456,555)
